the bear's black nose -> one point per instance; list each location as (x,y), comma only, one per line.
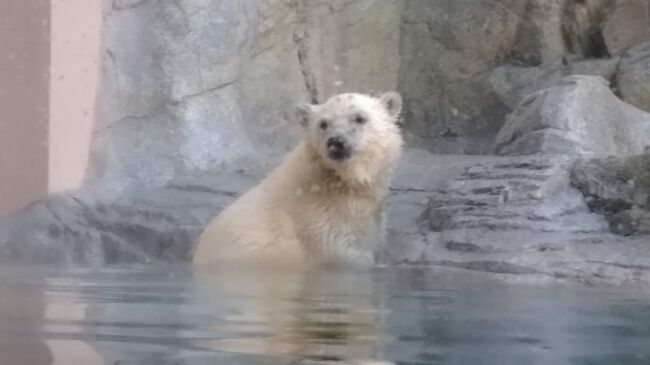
(335,143)
(337,148)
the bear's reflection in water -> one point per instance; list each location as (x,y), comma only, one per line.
(313,316)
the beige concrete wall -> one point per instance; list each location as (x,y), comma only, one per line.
(24,80)
(49,66)
(75,32)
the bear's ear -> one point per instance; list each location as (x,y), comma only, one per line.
(303,113)
(392,101)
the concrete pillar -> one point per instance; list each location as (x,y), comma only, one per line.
(49,66)
(76,27)
(24,102)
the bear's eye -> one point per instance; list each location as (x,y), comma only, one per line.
(323,124)
(360,119)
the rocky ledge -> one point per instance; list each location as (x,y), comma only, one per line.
(523,216)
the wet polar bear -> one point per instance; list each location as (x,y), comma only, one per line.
(324,204)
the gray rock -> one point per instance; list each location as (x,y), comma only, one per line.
(449,108)
(619,189)
(560,31)
(514,83)
(582,26)
(539,38)
(159,224)
(529,193)
(419,175)
(627,24)
(631,222)
(604,183)
(633,77)
(456,95)
(580,116)
(519,216)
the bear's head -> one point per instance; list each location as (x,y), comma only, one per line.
(356,135)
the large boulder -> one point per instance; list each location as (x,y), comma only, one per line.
(579,116)
(513,83)
(633,77)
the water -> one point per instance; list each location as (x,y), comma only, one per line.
(137,315)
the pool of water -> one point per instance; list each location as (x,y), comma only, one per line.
(138,315)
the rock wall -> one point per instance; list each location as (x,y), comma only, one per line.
(463,61)
(193,86)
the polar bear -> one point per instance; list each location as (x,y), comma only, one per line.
(324,204)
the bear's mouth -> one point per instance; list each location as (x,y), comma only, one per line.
(339,154)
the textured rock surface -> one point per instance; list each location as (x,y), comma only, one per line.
(192,86)
(138,227)
(580,115)
(196,74)
(448,105)
(627,23)
(519,215)
(619,189)
(451,103)
(514,83)
(633,78)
